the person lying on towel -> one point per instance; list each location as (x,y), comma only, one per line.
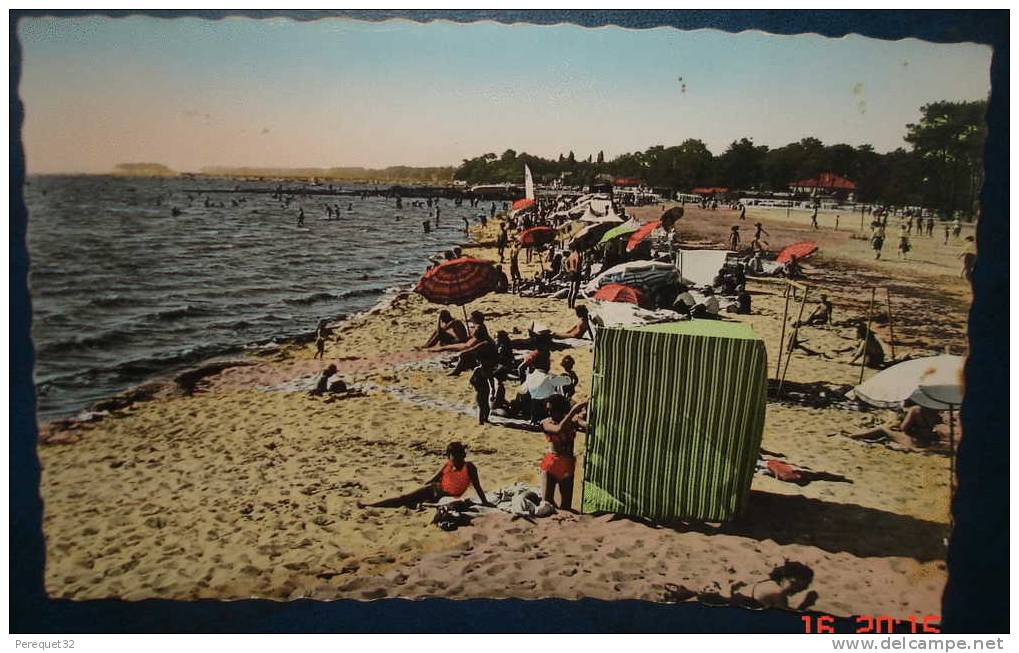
(452,481)
(558,465)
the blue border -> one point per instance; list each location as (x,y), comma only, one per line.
(976,599)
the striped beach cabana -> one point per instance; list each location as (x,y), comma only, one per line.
(676,417)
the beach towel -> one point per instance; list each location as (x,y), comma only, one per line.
(675,420)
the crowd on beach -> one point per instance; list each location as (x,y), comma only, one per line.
(542,397)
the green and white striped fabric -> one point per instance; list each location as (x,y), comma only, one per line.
(675,420)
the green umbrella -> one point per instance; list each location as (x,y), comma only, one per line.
(616,232)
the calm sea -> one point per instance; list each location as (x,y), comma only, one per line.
(123,291)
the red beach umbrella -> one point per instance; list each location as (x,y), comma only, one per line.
(617,292)
(459,281)
(520,205)
(799,250)
(641,234)
(537,236)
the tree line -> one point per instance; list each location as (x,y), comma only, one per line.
(940,168)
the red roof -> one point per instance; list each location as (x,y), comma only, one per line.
(709,190)
(627,181)
(826,180)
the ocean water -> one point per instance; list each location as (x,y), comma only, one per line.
(123,291)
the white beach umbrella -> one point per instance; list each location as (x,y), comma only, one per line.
(540,385)
(933,382)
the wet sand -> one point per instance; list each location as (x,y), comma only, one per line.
(247,486)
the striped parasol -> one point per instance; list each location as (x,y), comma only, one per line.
(646,276)
(459,281)
(641,234)
(589,236)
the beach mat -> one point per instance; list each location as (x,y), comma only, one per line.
(676,419)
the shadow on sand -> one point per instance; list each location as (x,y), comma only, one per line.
(833,527)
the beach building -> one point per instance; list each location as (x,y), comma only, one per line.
(826,184)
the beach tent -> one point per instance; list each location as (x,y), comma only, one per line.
(699,267)
(675,422)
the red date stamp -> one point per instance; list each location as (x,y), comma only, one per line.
(821,624)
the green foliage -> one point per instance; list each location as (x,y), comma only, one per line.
(942,170)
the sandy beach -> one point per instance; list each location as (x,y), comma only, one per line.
(247,487)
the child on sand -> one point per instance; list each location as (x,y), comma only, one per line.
(557,467)
(734,239)
(568,364)
(452,481)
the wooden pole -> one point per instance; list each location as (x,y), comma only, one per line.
(792,337)
(467,322)
(781,338)
(951,470)
(891,327)
(866,336)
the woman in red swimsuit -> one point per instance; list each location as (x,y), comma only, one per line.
(557,467)
(452,481)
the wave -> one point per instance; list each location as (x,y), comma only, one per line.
(312,298)
(94,341)
(177,312)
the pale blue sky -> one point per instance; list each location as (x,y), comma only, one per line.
(191,92)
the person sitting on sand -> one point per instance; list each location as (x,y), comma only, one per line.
(919,428)
(708,309)
(448,331)
(869,347)
(820,315)
(558,465)
(540,358)
(479,345)
(579,330)
(451,481)
(322,385)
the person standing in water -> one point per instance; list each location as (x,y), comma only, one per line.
(300,217)
(742,211)
(467,226)
(813,220)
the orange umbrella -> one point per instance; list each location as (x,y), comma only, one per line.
(799,250)
(520,205)
(641,234)
(617,292)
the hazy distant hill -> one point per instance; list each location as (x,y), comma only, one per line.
(143,170)
(392,174)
